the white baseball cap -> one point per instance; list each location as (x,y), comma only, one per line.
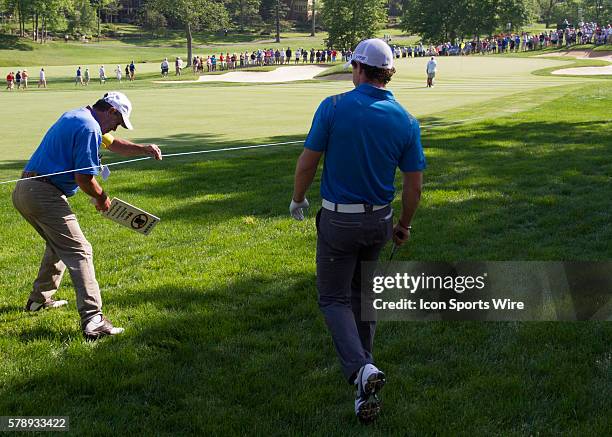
(122,104)
(374,52)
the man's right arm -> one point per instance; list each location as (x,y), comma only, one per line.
(91,187)
(411,196)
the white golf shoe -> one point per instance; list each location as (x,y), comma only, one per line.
(46,305)
(369,382)
(99,326)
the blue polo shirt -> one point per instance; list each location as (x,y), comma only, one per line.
(71,143)
(365,135)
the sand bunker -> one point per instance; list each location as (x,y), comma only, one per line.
(281,74)
(583,54)
(585,71)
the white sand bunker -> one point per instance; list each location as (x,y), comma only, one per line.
(604,55)
(583,54)
(281,74)
(585,71)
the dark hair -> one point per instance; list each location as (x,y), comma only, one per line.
(102,105)
(381,75)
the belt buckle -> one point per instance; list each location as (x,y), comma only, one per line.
(368,208)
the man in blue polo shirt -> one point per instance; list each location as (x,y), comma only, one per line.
(365,135)
(71,147)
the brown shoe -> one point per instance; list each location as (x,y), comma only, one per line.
(46,305)
(99,326)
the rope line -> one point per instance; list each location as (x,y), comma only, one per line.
(226,149)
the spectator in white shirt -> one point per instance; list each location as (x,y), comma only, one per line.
(432,68)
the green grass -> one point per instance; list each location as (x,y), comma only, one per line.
(603,48)
(164,110)
(223,334)
(538,28)
(336,69)
(22,52)
(551,51)
(132,45)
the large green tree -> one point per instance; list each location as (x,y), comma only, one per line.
(111,9)
(267,10)
(599,11)
(440,20)
(49,15)
(475,17)
(193,15)
(82,17)
(23,10)
(568,10)
(516,13)
(243,12)
(43,15)
(547,10)
(350,21)
(444,20)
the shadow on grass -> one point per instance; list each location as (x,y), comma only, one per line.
(12,165)
(522,188)
(5,309)
(10,170)
(250,354)
(217,361)
(535,159)
(492,189)
(511,183)
(224,184)
(211,351)
(13,42)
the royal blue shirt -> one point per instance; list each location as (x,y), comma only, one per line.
(72,143)
(365,135)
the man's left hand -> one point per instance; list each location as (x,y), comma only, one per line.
(296,209)
(154,151)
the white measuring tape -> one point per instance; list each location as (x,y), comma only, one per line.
(227,149)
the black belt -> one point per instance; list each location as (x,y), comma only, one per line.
(33,174)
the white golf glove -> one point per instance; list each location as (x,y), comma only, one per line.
(297,209)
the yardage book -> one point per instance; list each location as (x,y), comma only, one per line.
(131,217)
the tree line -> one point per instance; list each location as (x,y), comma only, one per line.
(347,21)
(78,17)
(445,20)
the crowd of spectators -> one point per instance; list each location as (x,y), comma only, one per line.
(261,58)
(566,36)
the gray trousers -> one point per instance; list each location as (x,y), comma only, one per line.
(343,242)
(46,208)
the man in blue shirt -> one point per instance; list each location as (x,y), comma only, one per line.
(71,147)
(132,70)
(79,77)
(365,135)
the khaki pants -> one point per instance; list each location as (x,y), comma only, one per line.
(46,208)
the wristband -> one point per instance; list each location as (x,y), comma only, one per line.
(103,196)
